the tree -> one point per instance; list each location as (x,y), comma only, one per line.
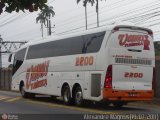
(92,2)
(42,20)
(85,5)
(47,13)
(17,5)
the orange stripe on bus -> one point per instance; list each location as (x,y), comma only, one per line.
(109,94)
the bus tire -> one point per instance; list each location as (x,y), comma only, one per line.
(66,95)
(78,97)
(53,97)
(30,95)
(118,104)
(23,92)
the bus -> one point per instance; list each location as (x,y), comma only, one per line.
(114,64)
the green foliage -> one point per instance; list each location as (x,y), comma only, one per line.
(45,15)
(87,1)
(48,11)
(17,5)
(41,18)
(92,2)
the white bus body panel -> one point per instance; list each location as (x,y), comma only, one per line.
(62,69)
(132,65)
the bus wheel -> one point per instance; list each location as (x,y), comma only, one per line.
(118,104)
(66,95)
(78,97)
(23,92)
(53,97)
(30,95)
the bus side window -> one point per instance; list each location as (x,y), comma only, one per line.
(92,42)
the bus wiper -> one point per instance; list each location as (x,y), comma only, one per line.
(133,50)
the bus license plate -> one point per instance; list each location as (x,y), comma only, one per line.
(132,94)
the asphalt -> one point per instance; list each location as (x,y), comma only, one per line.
(155,101)
(47,108)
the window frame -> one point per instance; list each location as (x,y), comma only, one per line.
(75,48)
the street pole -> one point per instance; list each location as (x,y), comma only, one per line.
(86,15)
(0,53)
(97,10)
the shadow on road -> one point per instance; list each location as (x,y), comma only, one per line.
(89,105)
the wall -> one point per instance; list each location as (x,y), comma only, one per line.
(5,79)
(157,79)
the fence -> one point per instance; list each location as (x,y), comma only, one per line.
(157,79)
(5,79)
(6,74)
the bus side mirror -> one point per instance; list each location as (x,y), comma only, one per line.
(10,66)
(10,58)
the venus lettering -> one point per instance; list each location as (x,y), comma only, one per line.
(134,40)
(37,72)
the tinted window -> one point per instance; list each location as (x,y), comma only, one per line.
(20,54)
(76,45)
(18,59)
(92,42)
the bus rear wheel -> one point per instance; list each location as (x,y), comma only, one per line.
(78,97)
(66,95)
(119,104)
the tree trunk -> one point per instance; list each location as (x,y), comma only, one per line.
(50,32)
(97,11)
(47,26)
(42,29)
(86,15)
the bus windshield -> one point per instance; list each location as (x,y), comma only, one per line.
(18,59)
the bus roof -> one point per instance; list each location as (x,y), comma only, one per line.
(59,37)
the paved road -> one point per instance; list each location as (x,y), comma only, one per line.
(44,107)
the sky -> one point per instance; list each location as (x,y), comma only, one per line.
(70,17)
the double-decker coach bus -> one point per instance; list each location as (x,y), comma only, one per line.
(114,64)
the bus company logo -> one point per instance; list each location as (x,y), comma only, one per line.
(35,74)
(4,116)
(134,40)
